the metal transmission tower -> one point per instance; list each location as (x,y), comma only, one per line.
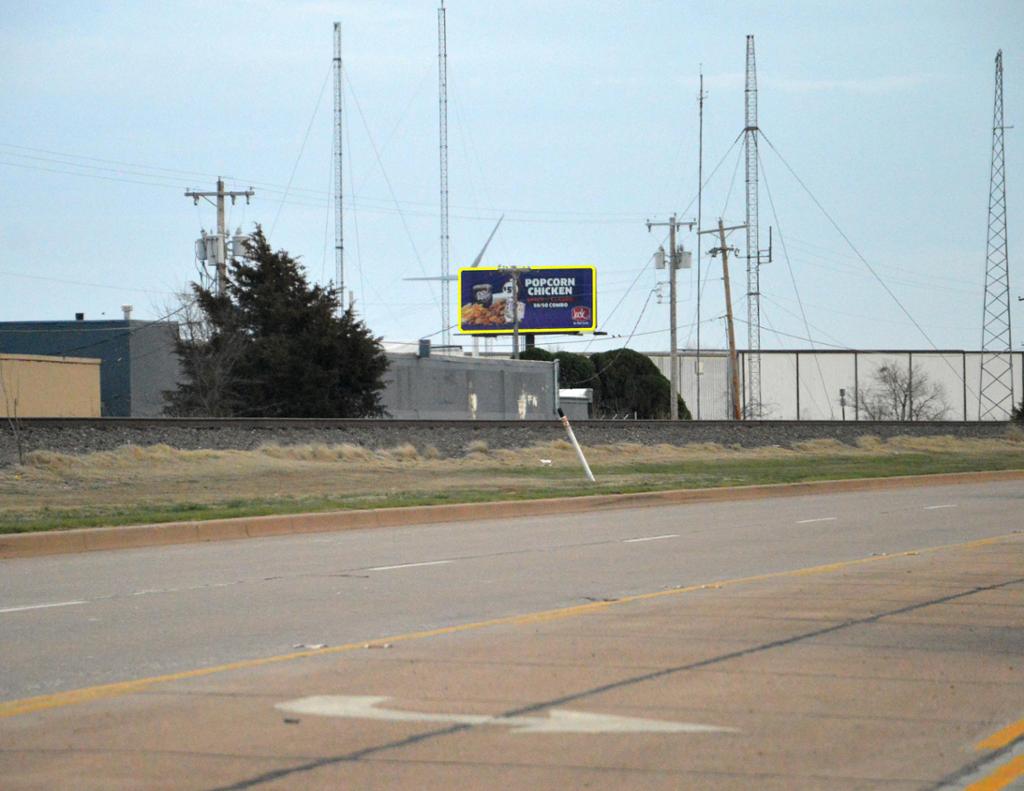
(442,71)
(339,226)
(755,256)
(996,344)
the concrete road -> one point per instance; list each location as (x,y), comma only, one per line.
(825,636)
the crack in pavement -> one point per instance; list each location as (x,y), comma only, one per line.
(358,755)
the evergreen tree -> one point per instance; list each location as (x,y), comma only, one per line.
(536,353)
(275,346)
(577,370)
(631,384)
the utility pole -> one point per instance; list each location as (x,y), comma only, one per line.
(442,79)
(996,345)
(724,250)
(700,207)
(222,236)
(339,225)
(674,262)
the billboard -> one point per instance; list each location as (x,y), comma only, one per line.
(550,299)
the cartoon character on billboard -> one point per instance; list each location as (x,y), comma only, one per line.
(490,307)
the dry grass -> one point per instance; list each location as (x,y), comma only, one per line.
(158,475)
(1015,433)
(158,461)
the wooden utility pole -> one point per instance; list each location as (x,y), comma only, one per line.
(724,250)
(221,256)
(732,332)
(674,262)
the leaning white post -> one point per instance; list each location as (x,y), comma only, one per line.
(576,445)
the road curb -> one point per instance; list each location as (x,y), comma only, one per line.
(58,542)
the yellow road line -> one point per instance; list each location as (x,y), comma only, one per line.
(1002,738)
(88,694)
(1001,777)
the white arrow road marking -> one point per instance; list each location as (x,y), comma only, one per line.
(649,538)
(410,565)
(365,707)
(42,606)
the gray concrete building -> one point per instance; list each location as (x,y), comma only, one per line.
(441,387)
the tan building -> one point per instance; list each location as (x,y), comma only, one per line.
(36,386)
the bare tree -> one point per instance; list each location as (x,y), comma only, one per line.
(903,393)
(209,361)
(764,410)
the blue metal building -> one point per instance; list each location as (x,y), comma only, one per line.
(138,358)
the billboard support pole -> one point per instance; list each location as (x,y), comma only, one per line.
(515,314)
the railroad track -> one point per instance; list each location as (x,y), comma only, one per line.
(392,424)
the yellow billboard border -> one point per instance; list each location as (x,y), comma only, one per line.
(563,331)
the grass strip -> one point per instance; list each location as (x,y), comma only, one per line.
(522,483)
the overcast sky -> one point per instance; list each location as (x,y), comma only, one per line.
(577,120)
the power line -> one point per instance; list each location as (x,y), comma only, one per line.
(387,180)
(792,278)
(860,257)
(302,149)
(802,338)
(121,333)
(321,199)
(87,284)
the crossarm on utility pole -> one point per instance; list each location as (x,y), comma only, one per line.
(723,248)
(673,263)
(222,234)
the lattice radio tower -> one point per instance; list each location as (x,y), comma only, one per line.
(996,344)
(339,226)
(755,256)
(442,71)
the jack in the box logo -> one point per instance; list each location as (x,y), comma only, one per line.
(581,315)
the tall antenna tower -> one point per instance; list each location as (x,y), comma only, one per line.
(996,345)
(753,249)
(339,226)
(442,72)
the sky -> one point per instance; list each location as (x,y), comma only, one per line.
(575,120)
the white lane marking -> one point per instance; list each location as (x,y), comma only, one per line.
(819,519)
(364,707)
(936,507)
(649,538)
(410,565)
(42,606)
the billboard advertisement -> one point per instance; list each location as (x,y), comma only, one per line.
(550,299)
